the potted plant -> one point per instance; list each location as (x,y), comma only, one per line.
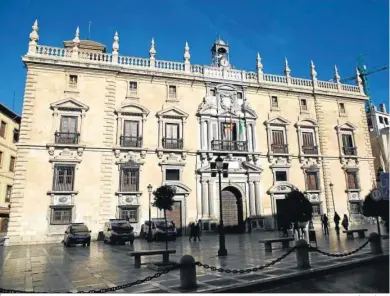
(299,208)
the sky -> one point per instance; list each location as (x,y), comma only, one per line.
(328,32)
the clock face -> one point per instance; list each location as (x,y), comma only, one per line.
(224,62)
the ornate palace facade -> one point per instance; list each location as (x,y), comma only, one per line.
(98,127)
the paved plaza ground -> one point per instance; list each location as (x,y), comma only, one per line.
(54,268)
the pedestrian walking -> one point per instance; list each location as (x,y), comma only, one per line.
(336,220)
(322,223)
(192,231)
(302,227)
(325,224)
(198,229)
(345,222)
(296,229)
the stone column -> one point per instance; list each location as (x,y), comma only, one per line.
(119,131)
(253,129)
(252,203)
(160,133)
(211,198)
(81,126)
(205,200)
(258,198)
(55,126)
(209,134)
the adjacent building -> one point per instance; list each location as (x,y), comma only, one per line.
(378,125)
(9,136)
(98,127)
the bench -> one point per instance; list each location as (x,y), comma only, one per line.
(361,232)
(138,254)
(284,240)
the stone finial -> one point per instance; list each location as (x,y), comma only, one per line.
(313,72)
(34,37)
(336,77)
(115,45)
(187,55)
(287,69)
(259,64)
(76,39)
(152,51)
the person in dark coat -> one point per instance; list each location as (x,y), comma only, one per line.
(325,224)
(192,231)
(345,222)
(336,220)
(197,229)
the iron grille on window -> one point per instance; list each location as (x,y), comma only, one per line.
(350,150)
(229,145)
(172,143)
(129,178)
(61,216)
(279,148)
(63,178)
(310,150)
(355,208)
(130,214)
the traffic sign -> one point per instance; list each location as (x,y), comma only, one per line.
(384,185)
(376,194)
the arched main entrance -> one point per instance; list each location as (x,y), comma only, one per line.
(232,210)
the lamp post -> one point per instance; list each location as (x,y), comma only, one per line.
(331,190)
(150,188)
(222,248)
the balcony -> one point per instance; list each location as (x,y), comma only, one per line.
(313,150)
(279,148)
(223,145)
(350,151)
(172,143)
(67,138)
(126,141)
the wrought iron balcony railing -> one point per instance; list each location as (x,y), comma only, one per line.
(172,143)
(310,150)
(279,148)
(66,138)
(127,141)
(223,145)
(350,150)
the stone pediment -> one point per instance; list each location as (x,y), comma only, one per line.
(251,168)
(226,87)
(172,112)
(278,120)
(180,188)
(69,104)
(346,126)
(282,188)
(309,122)
(133,108)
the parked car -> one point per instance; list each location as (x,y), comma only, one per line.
(158,229)
(77,233)
(118,231)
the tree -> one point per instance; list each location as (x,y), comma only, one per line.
(373,208)
(299,208)
(163,200)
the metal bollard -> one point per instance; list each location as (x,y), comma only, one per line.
(302,254)
(375,243)
(188,272)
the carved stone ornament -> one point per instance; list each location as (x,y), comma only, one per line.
(353,196)
(128,200)
(313,197)
(62,199)
(229,102)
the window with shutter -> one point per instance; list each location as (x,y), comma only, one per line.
(3,128)
(129,178)
(352,180)
(63,177)
(312,180)
(277,137)
(12,164)
(68,124)
(347,141)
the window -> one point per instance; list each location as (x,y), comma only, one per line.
(73,81)
(172,92)
(130,214)
(63,177)
(68,131)
(303,104)
(130,137)
(274,102)
(386,121)
(308,146)
(355,208)
(380,119)
(133,86)
(316,209)
(172,139)
(278,145)
(280,176)
(342,108)
(3,128)
(172,175)
(312,181)
(129,178)
(239,95)
(12,164)
(16,135)
(61,216)
(352,180)
(348,146)
(212,92)
(1,158)
(8,193)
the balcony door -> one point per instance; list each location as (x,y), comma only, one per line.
(68,124)
(347,141)
(130,129)
(229,132)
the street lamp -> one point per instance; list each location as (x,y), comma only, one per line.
(222,248)
(331,190)
(150,188)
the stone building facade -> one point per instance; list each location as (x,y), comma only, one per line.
(98,127)
(9,136)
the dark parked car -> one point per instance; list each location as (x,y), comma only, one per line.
(118,231)
(77,233)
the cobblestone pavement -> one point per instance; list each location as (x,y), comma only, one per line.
(54,268)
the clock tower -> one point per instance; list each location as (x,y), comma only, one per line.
(220,54)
